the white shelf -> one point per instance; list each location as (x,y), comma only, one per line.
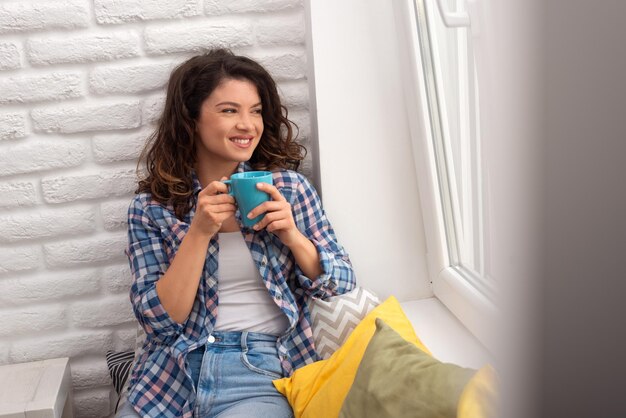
(39,389)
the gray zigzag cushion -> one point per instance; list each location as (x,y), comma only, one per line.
(333,319)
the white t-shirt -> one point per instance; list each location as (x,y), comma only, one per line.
(244,302)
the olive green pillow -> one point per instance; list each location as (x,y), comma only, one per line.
(397,379)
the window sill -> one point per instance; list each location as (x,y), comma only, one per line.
(444,335)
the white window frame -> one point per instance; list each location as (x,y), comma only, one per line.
(465,300)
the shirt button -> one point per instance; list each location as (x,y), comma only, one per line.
(264,261)
(211,339)
(279,297)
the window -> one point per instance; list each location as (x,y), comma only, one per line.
(447,148)
(458,151)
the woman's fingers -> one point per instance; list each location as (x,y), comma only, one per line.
(224,207)
(278,220)
(278,225)
(271,190)
(214,188)
(277,211)
(219,198)
(267,219)
(269,206)
(213,207)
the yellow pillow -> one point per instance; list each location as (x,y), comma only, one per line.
(319,389)
(479,397)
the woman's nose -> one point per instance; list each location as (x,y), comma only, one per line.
(244,123)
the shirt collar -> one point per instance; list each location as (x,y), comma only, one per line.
(244,166)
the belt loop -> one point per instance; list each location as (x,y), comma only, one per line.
(244,341)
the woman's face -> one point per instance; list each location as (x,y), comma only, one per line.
(230,124)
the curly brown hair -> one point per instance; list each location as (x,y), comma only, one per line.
(169,154)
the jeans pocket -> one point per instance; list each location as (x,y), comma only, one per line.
(263,360)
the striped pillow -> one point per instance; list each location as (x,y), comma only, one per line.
(333,319)
(119,364)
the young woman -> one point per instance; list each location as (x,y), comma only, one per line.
(224,306)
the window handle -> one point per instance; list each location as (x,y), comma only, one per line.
(453,19)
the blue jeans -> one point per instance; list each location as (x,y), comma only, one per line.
(233,378)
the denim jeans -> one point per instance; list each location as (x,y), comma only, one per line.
(233,378)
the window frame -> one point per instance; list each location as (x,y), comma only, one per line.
(474,307)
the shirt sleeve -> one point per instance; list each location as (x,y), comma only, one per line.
(148,262)
(337,275)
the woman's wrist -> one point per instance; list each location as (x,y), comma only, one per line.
(306,255)
(296,240)
(198,235)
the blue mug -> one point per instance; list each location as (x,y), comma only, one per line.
(242,186)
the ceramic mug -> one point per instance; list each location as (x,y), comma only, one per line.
(242,186)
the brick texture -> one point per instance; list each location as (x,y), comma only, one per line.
(38,155)
(47,86)
(17,195)
(87,117)
(82,49)
(195,37)
(125,11)
(22,16)
(12,125)
(10,57)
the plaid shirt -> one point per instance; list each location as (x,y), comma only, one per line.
(160,383)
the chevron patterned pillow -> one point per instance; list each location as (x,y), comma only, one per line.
(333,319)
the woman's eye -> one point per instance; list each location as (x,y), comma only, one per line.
(258,111)
(229,110)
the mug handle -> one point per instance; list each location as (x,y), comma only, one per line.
(230,189)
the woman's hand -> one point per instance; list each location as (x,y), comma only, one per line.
(278,218)
(214,206)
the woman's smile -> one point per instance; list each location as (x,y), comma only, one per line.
(243,141)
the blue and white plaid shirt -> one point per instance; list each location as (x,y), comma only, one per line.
(160,384)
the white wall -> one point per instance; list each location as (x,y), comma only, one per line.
(366,163)
(81,84)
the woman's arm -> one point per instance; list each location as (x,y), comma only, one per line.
(279,220)
(323,267)
(163,292)
(306,256)
(178,287)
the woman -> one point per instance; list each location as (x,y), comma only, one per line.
(224,306)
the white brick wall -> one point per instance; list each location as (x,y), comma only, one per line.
(24,16)
(46,86)
(18,194)
(12,125)
(76,49)
(81,86)
(9,56)
(41,154)
(87,116)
